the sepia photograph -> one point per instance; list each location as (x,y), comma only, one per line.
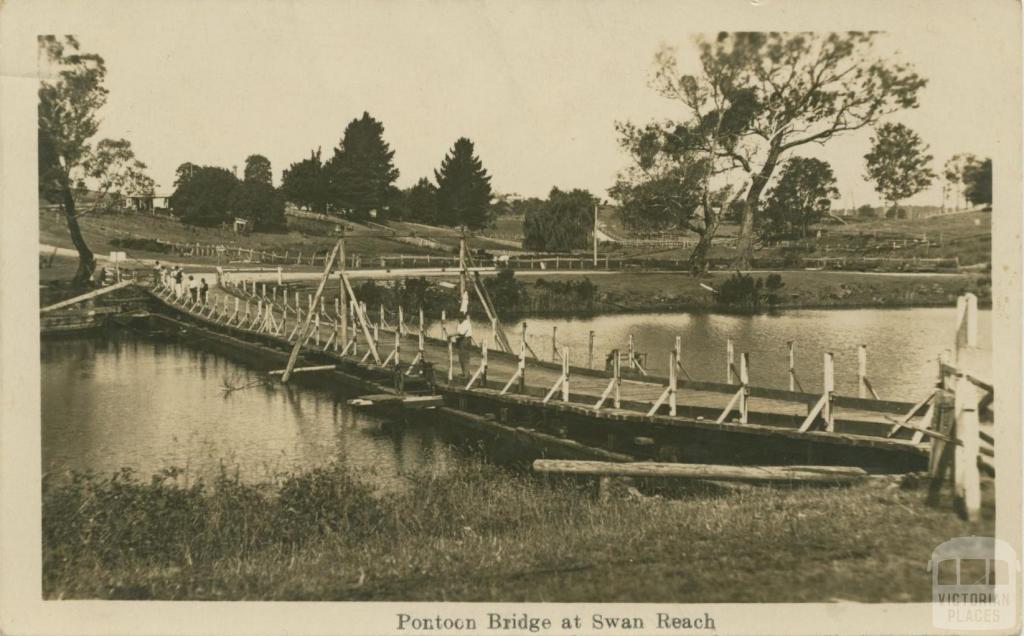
(559,318)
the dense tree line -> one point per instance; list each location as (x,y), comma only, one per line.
(968,179)
(210,196)
(564,222)
(358,182)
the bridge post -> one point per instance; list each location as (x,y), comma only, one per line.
(830,388)
(862,371)
(451,362)
(792,365)
(565,373)
(745,381)
(728,360)
(554,343)
(673,376)
(617,378)
(522,362)
(338,319)
(590,350)
(966,478)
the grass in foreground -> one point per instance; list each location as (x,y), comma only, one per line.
(480,533)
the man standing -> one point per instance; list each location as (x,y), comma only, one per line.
(463,341)
(193,289)
(179,275)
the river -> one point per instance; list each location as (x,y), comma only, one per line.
(903,344)
(125,401)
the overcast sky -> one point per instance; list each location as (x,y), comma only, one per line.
(537,87)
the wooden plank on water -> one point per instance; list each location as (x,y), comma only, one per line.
(87,296)
(321,367)
(722,472)
(391,399)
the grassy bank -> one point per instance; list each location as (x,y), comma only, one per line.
(636,291)
(658,291)
(478,532)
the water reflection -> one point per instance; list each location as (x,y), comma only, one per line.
(903,344)
(124,401)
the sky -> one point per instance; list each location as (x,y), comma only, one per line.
(537,86)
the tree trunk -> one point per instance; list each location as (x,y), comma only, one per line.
(698,262)
(86,261)
(745,240)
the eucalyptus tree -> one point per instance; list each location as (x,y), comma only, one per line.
(71,94)
(787,90)
(898,163)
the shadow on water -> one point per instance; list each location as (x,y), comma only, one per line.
(116,400)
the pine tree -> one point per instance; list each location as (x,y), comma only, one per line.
(463,188)
(305,184)
(421,200)
(361,174)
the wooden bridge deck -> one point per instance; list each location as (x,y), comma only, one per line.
(638,394)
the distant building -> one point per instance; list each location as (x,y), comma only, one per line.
(147,202)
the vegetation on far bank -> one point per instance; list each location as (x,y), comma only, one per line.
(519,294)
(477,532)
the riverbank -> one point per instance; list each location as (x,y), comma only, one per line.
(659,291)
(483,533)
(565,294)
(594,293)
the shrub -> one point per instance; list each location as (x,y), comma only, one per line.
(506,292)
(147,245)
(743,291)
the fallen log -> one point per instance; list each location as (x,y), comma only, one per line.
(720,472)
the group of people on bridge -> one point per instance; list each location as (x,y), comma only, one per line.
(174,278)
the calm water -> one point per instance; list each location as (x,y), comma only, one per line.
(903,344)
(125,401)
